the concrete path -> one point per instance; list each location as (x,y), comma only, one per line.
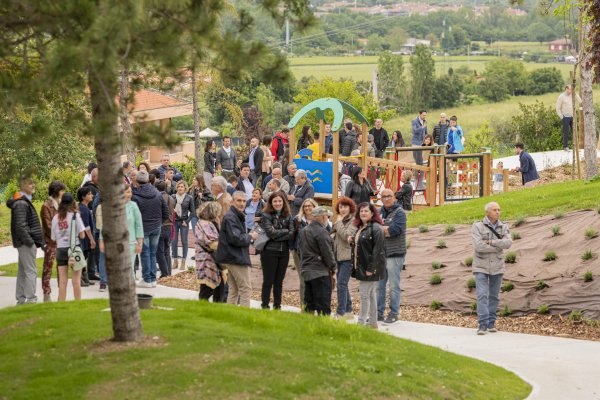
(9,255)
(557,368)
(543,160)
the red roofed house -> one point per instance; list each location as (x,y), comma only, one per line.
(559,45)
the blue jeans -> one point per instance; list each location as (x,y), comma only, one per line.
(193,223)
(488,297)
(394,267)
(343,293)
(102,264)
(184,230)
(149,255)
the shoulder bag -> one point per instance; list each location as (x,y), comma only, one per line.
(76,258)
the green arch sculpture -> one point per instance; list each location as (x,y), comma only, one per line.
(337,106)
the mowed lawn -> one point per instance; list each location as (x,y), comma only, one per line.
(541,200)
(203,350)
(361,67)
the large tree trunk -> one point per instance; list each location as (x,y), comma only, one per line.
(126,129)
(589,117)
(196,116)
(127,326)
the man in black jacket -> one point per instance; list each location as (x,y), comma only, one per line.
(26,232)
(233,251)
(318,263)
(302,191)
(254,160)
(154,212)
(381,138)
(440,131)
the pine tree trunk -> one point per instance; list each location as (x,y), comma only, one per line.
(196,116)
(589,117)
(126,129)
(127,326)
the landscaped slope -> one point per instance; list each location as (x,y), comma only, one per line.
(199,350)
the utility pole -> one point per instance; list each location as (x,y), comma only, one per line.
(287,35)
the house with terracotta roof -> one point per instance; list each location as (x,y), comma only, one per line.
(560,45)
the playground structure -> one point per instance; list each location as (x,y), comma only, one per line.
(441,178)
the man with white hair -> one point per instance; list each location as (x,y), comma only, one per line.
(289,178)
(490,238)
(218,188)
(302,191)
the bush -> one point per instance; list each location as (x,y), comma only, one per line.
(588,276)
(507,286)
(188,169)
(469,261)
(515,235)
(435,279)
(538,126)
(591,233)
(541,285)
(588,255)
(510,257)
(543,309)
(506,311)
(441,244)
(558,215)
(423,228)
(519,221)
(471,284)
(473,305)
(544,80)
(555,230)
(436,305)
(449,229)
(436,265)
(575,316)
(550,256)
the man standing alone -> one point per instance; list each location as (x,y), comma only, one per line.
(490,238)
(527,166)
(564,109)
(26,233)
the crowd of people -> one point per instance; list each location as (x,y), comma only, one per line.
(261,204)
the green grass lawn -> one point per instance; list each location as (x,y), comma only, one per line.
(222,352)
(542,200)
(12,269)
(361,68)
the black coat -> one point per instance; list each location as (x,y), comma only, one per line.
(234,242)
(316,251)
(382,140)
(258,159)
(25,226)
(371,254)
(210,162)
(404,196)
(349,142)
(153,208)
(200,196)
(359,193)
(279,230)
(306,191)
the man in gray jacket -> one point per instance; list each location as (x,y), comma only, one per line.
(490,238)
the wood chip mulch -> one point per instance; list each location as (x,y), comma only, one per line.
(534,324)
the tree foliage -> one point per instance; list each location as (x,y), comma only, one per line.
(392,83)
(538,127)
(422,72)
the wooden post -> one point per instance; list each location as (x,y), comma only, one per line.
(365,144)
(486,179)
(322,150)
(292,145)
(505,175)
(334,170)
(431,180)
(442,180)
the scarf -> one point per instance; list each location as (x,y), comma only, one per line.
(54,203)
(180,199)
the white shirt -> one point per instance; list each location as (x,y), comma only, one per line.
(248,188)
(61,230)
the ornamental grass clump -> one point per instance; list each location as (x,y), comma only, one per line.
(556,230)
(441,244)
(510,257)
(587,255)
(435,279)
(588,276)
(550,256)
(436,305)
(423,228)
(469,261)
(507,286)
(543,309)
(449,229)
(591,233)
(471,284)
(515,235)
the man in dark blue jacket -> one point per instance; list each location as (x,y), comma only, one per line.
(394,230)
(233,251)
(527,166)
(154,211)
(164,165)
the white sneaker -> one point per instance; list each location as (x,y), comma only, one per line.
(153,283)
(144,284)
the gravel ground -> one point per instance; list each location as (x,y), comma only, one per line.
(549,325)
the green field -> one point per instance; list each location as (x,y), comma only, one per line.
(541,200)
(361,67)
(204,350)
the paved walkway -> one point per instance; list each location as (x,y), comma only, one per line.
(544,160)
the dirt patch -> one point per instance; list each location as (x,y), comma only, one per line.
(110,346)
(20,324)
